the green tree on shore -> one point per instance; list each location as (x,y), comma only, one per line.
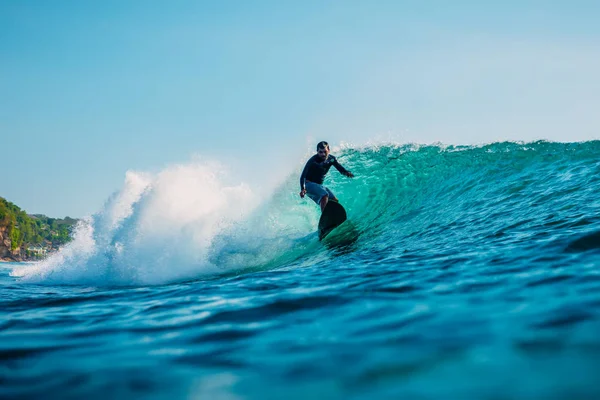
(24,229)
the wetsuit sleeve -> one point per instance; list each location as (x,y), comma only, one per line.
(339,167)
(303,175)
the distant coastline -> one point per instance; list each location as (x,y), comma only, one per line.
(30,237)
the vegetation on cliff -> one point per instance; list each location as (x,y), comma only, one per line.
(33,230)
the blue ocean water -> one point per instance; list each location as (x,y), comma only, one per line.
(463,273)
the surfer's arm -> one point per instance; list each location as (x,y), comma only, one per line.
(303,176)
(341,169)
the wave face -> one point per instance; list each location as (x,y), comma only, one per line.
(184,223)
(478,200)
(464,272)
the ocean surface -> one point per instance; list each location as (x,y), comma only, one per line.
(463,272)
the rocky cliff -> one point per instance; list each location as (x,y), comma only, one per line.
(25,237)
(6,253)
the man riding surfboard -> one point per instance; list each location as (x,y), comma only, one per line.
(313,175)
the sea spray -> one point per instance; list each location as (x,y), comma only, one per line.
(156,229)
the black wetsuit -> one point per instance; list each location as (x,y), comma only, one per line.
(316,169)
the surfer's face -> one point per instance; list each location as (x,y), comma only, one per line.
(323,153)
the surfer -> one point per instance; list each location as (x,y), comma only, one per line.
(311,180)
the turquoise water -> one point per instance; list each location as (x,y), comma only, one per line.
(463,273)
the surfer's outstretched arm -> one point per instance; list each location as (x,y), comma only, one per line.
(342,170)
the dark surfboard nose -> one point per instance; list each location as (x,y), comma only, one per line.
(333,215)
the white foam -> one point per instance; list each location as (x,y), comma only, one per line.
(158,228)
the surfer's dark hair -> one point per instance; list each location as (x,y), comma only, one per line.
(322,145)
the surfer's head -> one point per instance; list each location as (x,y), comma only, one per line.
(323,150)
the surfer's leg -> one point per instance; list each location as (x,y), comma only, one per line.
(324,201)
(315,191)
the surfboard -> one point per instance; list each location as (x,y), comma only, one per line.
(333,216)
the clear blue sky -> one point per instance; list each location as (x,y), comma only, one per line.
(92,89)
